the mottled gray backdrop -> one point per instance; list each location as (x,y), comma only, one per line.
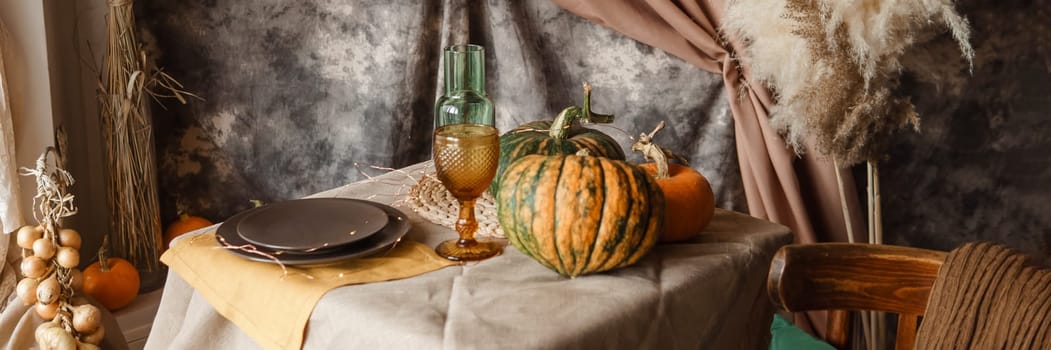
(296,92)
(981,166)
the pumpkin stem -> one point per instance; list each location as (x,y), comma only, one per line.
(657,154)
(590,116)
(103,259)
(568,116)
(563,121)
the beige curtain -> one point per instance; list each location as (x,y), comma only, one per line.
(799,192)
(10,213)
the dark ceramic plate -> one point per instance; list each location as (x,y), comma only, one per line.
(397,226)
(312,224)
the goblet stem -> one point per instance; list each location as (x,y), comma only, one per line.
(466,225)
(466,248)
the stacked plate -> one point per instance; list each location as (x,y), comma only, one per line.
(314,230)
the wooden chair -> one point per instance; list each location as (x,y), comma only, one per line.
(841,276)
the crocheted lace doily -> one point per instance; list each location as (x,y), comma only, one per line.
(433,202)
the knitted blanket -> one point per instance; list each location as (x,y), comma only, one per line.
(988,297)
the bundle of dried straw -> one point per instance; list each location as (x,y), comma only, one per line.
(124,85)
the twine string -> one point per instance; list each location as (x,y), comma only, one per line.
(251,249)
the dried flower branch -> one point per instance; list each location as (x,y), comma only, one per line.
(834,66)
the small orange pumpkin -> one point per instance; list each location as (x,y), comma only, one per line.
(689,200)
(185,223)
(114,282)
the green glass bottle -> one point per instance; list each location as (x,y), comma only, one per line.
(464,100)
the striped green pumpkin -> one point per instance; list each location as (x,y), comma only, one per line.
(564,135)
(580,214)
(525,140)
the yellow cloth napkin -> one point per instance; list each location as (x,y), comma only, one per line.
(272,309)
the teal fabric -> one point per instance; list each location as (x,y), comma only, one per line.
(786,336)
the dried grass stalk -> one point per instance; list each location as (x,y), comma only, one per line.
(126,81)
(834,66)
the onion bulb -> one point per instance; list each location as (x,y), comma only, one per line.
(43,248)
(52,336)
(94,337)
(47,311)
(68,257)
(44,328)
(86,318)
(48,291)
(68,237)
(33,267)
(27,290)
(28,234)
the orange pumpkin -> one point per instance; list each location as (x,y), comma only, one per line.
(114,283)
(689,202)
(185,223)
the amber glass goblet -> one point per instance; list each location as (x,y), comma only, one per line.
(465,156)
(466,147)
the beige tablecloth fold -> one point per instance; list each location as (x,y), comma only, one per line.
(271,306)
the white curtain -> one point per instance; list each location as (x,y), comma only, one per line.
(10,213)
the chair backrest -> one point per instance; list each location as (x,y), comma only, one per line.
(843,276)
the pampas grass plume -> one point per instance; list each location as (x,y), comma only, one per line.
(834,66)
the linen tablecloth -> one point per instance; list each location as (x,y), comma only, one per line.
(708,293)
